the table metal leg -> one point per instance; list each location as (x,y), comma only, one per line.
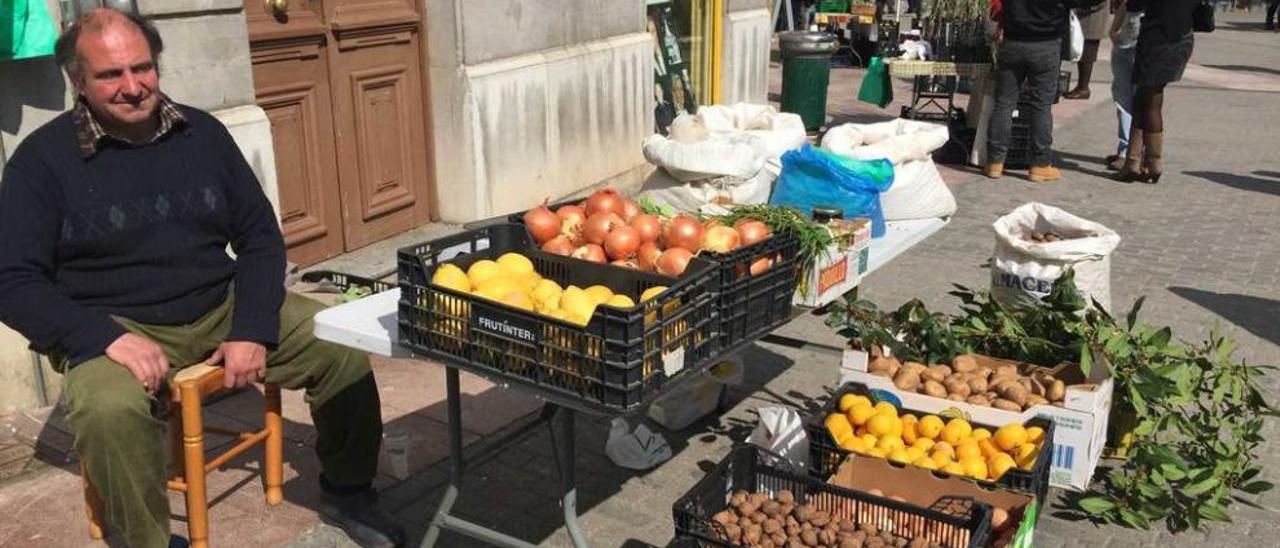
(456,463)
(565,448)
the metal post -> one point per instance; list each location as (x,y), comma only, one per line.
(454,404)
(562,440)
(778,8)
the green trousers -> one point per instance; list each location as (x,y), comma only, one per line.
(121,438)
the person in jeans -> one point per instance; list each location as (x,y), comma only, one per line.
(1165,43)
(1124,38)
(1030,36)
(116,217)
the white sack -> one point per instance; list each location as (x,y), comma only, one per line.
(779,131)
(707,195)
(918,191)
(781,431)
(1023,271)
(695,398)
(740,156)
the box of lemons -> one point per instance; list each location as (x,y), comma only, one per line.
(748,499)
(590,335)
(861,421)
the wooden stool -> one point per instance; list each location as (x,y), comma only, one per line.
(186,443)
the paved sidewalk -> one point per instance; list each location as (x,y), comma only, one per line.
(1201,246)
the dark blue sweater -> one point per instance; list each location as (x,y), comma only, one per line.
(138,232)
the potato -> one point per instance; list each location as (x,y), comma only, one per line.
(977,385)
(751,538)
(1037,387)
(907,380)
(1005,369)
(1057,391)
(985,372)
(1001,403)
(956,397)
(820,519)
(738,498)
(779,539)
(1015,393)
(979,399)
(1026,383)
(826,537)
(771,526)
(957,387)
(918,542)
(793,529)
(785,497)
(849,542)
(936,373)
(804,513)
(1034,400)
(964,364)
(881,364)
(758,517)
(724,518)
(757,498)
(914,366)
(935,389)
(809,537)
(747,508)
(734,532)
(771,508)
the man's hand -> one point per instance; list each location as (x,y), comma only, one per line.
(142,357)
(245,362)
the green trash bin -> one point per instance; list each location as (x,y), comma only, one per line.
(806,71)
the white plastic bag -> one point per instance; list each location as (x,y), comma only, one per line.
(1023,271)
(1077,40)
(781,431)
(638,449)
(918,191)
(695,398)
(778,131)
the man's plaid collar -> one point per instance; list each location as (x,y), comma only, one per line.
(90,133)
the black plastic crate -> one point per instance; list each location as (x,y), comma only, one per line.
(748,306)
(346,282)
(613,364)
(745,468)
(825,456)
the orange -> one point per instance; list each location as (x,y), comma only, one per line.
(953,468)
(854,444)
(877,452)
(914,453)
(988,449)
(900,455)
(941,458)
(930,426)
(980,434)
(869,439)
(860,414)
(1035,435)
(1025,455)
(1010,436)
(998,464)
(880,424)
(956,430)
(862,430)
(925,444)
(968,449)
(839,426)
(886,407)
(909,434)
(945,448)
(926,463)
(889,443)
(849,401)
(975,468)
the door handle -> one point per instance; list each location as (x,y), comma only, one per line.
(275,7)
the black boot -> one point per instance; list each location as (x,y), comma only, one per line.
(357,514)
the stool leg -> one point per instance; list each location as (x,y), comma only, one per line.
(175,446)
(193,457)
(92,505)
(273,463)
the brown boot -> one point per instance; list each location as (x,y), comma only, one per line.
(994,171)
(1132,169)
(1152,157)
(1044,174)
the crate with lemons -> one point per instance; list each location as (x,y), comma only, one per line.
(1014,455)
(589,332)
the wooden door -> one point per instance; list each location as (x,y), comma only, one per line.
(341,82)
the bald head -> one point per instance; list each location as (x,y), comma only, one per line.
(100,28)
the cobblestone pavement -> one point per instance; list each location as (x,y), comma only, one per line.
(1201,245)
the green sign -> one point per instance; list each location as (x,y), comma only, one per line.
(26,30)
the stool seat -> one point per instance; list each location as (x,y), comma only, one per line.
(188,388)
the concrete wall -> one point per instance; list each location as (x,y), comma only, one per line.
(205,65)
(745,76)
(533,100)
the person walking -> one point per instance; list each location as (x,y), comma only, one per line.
(1029,33)
(1093,21)
(116,217)
(1272,7)
(1165,43)
(1124,38)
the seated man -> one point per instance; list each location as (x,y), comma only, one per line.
(115,219)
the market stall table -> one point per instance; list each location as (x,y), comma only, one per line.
(370,324)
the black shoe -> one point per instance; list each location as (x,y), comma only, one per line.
(359,516)
(176,541)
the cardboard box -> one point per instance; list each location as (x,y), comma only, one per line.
(1081,420)
(839,272)
(929,490)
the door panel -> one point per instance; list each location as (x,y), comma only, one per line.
(378,103)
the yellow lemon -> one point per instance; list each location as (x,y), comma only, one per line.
(861,431)
(600,293)
(854,444)
(620,301)
(496,289)
(925,444)
(1025,455)
(895,427)
(930,426)
(953,468)
(942,458)
(945,448)
(1010,436)
(988,448)
(519,300)
(956,430)
(900,455)
(860,414)
(515,264)
(558,314)
(578,304)
(1035,434)
(880,424)
(848,401)
(926,463)
(914,453)
(839,426)
(548,303)
(527,280)
(877,452)
(886,408)
(652,292)
(451,277)
(980,434)
(889,443)
(909,433)
(869,439)
(975,468)
(998,464)
(544,289)
(968,449)
(482,271)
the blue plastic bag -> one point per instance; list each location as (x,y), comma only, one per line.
(813,177)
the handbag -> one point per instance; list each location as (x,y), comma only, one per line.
(877,86)
(1202,17)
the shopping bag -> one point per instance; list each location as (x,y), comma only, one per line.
(1073,42)
(26,30)
(695,398)
(1023,270)
(877,87)
(781,432)
(635,449)
(814,177)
